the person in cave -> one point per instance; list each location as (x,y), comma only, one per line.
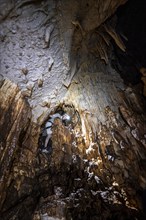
(46,145)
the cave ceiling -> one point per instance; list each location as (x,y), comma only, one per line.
(42,41)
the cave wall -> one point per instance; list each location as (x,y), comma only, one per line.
(93,167)
(37,45)
(15,116)
(53,56)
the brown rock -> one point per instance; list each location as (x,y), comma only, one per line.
(14,118)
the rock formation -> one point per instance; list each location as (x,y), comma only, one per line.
(143,78)
(57,55)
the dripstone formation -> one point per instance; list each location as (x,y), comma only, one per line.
(72,134)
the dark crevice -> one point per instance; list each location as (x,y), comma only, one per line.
(131,23)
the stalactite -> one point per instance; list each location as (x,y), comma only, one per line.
(115,36)
(91,166)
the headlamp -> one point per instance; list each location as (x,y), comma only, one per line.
(66,117)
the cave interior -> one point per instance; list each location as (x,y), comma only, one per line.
(72,110)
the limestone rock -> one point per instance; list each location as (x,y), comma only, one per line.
(14,120)
(48,33)
(26,93)
(24,70)
(30,86)
(96,166)
(45,102)
(40,82)
(1,80)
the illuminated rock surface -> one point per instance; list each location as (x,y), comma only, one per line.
(57,54)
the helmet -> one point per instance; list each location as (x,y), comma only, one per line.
(66,119)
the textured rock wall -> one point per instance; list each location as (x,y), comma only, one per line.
(38,45)
(97,175)
(19,148)
(96,169)
(15,115)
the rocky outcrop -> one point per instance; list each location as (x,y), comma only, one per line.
(14,121)
(15,117)
(96,176)
(91,173)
